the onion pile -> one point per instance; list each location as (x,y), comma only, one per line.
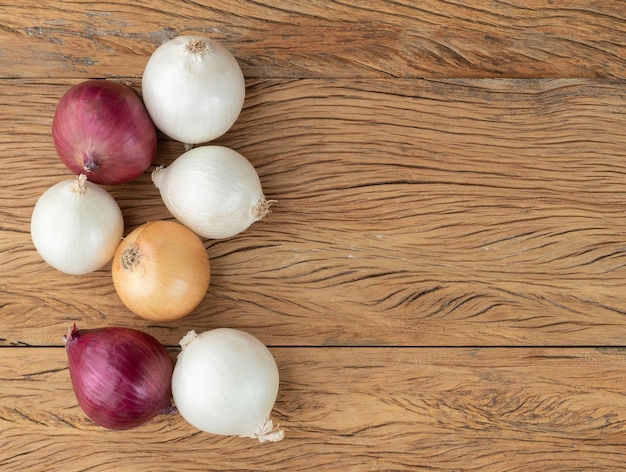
(194,91)
(225,381)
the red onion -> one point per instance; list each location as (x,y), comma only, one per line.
(102,129)
(121,376)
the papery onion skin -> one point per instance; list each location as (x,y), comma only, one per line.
(121,376)
(225,382)
(213,190)
(193,89)
(161,270)
(76,226)
(102,129)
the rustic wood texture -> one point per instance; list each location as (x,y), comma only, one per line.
(284,38)
(441,279)
(482,409)
(419,212)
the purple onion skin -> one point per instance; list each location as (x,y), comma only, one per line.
(102,129)
(121,377)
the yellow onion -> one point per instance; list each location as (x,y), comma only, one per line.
(161,270)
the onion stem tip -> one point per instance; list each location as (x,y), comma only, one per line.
(187,338)
(156,175)
(79,184)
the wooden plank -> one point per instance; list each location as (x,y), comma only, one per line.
(456,212)
(482,38)
(441,279)
(350,409)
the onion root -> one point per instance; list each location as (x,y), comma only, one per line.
(267,433)
(90,163)
(130,258)
(197,47)
(262,209)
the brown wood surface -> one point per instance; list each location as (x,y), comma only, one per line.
(441,278)
(487,409)
(284,38)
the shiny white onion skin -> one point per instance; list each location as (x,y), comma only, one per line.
(225,382)
(76,226)
(213,190)
(193,97)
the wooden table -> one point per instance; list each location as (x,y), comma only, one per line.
(441,280)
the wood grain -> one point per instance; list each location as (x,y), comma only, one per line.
(441,279)
(350,409)
(482,38)
(414,212)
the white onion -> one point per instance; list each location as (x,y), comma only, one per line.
(76,226)
(225,382)
(193,89)
(213,190)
